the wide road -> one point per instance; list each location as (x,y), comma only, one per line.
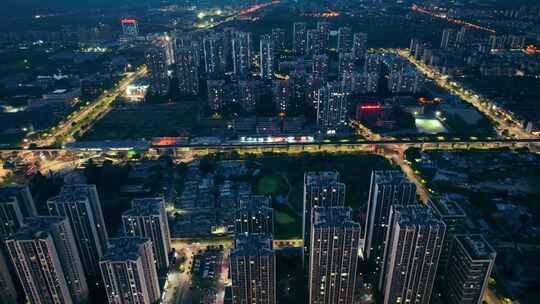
(86,115)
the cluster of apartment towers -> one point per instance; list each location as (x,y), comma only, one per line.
(57,258)
(413,246)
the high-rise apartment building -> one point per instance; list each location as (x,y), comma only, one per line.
(332,107)
(387,188)
(346,63)
(7,280)
(324,30)
(470,263)
(242,54)
(187,70)
(147,218)
(299,38)
(314,45)
(214,54)
(334,256)
(216,94)
(447,38)
(278,36)
(46,259)
(253,271)
(267,56)
(156,61)
(415,241)
(359,46)
(129,273)
(80,204)
(322,189)
(21,196)
(454,218)
(254,216)
(249,93)
(345,40)
(282,94)
(319,66)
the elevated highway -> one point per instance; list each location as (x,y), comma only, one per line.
(338,146)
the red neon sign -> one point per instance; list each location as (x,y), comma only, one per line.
(129,21)
(371,107)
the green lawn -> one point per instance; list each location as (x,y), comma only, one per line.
(272,184)
(287,225)
(282,218)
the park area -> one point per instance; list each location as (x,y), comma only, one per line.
(145,121)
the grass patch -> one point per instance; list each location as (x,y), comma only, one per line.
(283,218)
(272,184)
(287,224)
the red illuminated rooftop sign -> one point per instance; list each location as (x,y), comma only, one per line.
(129,21)
(370,107)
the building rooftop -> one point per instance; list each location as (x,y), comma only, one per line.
(124,248)
(445,207)
(253,201)
(77,192)
(390,177)
(253,245)
(476,245)
(145,206)
(415,215)
(312,177)
(333,216)
(7,193)
(38,227)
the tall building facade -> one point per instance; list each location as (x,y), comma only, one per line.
(80,204)
(345,40)
(471,261)
(254,216)
(248,93)
(253,271)
(216,94)
(187,70)
(21,196)
(148,218)
(319,66)
(282,94)
(7,280)
(47,262)
(321,189)
(359,45)
(332,107)
(454,218)
(346,63)
(214,55)
(242,54)
(414,244)
(324,31)
(267,57)
(387,188)
(334,256)
(314,45)
(447,38)
(278,36)
(156,61)
(129,273)
(299,38)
